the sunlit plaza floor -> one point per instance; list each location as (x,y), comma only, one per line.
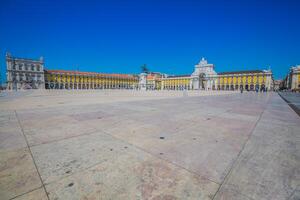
(115,144)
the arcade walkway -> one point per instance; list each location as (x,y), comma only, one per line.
(231,146)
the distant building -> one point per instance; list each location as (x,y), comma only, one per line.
(277,85)
(294,77)
(30,74)
(153,80)
(65,79)
(292,80)
(24,73)
(204,77)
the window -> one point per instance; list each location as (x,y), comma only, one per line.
(26,67)
(20,66)
(37,68)
(32,67)
(13,67)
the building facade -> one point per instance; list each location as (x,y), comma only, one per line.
(176,82)
(292,80)
(277,84)
(150,81)
(30,74)
(24,73)
(205,77)
(63,79)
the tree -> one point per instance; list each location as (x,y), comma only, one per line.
(144,68)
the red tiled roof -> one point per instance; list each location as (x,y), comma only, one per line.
(70,72)
(241,72)
(150,76)
(178,76)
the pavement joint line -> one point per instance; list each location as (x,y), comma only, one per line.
(62,139)
(78,171)
(181,167)
(91,166)
(43,185)
(79,135)
(26,192)
(239,154)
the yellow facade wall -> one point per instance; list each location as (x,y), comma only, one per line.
(249,79)
(254,80)
(230,80)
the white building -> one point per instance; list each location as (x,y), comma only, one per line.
(24,73)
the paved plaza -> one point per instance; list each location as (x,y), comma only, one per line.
(159,145)
(293,99)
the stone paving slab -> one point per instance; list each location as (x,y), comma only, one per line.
(18,174)
(127,145)
(132,175)
(293,99)
(269,165)
(11,136)
(38,194)
(204,152)
(53,129)
(74,154)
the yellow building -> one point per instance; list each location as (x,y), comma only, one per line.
(204,77)
(180,82)
(63,79)
(248,80)
(153,80)
(28,73)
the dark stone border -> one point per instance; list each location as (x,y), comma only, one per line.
(295,108)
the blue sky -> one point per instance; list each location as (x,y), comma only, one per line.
(168,36)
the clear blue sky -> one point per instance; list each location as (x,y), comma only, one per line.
(168,36)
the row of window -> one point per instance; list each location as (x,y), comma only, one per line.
(26,67)
(86,79)
(96,82)
(58,77)
(27,77)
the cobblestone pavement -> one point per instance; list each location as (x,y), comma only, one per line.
(132,145)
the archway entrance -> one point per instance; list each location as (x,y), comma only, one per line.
(262,87)
(202,81)
(247,87)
